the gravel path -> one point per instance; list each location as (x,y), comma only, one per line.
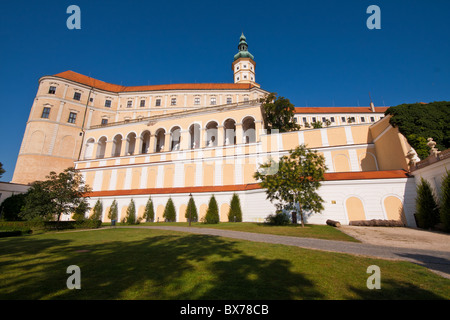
(437,261)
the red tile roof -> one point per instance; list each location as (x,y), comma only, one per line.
(364,175)
(76,77)
(339,109)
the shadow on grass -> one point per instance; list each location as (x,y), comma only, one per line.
(159,266)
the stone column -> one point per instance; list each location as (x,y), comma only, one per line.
(220,136)
(239,134)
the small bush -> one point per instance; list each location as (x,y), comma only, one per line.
(169,211)
(212,214)
(278,219)
(427,210)
(192,210)
(235,213)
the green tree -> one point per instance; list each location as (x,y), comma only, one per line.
(278,113)
(60,194)
(445,202)
(212,214)
(149,212)
(10,208)
(169,211)
(293,182)
(427,210)
(317,124)
(79,213)
(97,211)
(426,120)
(131,213)
(113,212)
(235,213)
(191,210)
(2,171)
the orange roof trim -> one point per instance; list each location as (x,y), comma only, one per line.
(91,82)
(365,175)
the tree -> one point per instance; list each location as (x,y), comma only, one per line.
(235,213)
(317,125)
(113,212)
(97,211)
(426,120)
(2,171)
(427,211)
(79,213)
(278,113)
(60,194)
(212,214)
(169,211)
(10,208)
(445,202)
(191,210)
(131,213)
(293,186)
(149,212)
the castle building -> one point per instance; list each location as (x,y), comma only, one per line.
(178,140)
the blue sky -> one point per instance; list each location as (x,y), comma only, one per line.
(316,53)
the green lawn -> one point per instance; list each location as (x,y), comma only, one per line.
(158,264)
(309,231)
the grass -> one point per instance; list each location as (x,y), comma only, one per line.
(309,231)
(164,265)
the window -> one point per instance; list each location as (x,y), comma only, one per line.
(77,96)
(245,98)
(304,119)
(295,120)
(129,104)
(91,99)
(108,103)
(197,100)
(229,100)
(237,78)
(245,77)
(363,119)
(173,101)
(45,112)
(237,68)
(313,119)
(52,90)
(158,103)
(332,119)
(324,119)
(142,103)
(245,66)
(104,121)
(72,117)
(213,101)
(343,119)
(372,119)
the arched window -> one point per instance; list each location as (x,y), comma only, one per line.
(101,148)
(145,141)
(229,128)
(175,138)
(194,133)
(89,148)
(160,140)
(248,128)
(211,134)
(131,144)
(117,146)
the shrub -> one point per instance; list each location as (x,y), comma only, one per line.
(33,226)
(278,219)
(169,211)
(445,202)
(131,213)
(235,213)
(98,210)
(113,211)
(149,213)
(80,212)
(11,206)
(212,214)
(427,211)
(192,210)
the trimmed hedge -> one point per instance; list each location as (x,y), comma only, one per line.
(32,226)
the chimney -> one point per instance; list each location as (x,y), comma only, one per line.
(372,107)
